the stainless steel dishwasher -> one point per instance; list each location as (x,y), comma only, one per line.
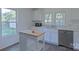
(65,38)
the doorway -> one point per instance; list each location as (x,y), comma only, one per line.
(9,33)
(8,22)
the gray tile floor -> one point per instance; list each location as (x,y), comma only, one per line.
(48,47)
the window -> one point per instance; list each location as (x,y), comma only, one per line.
(8,22)
(59,19)
(48,18)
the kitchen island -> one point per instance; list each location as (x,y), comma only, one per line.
(30,41)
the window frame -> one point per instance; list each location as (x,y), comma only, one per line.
(49,18)
(61,21)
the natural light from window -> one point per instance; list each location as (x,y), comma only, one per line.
(8,22)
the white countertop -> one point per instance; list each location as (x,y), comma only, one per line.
(75,29)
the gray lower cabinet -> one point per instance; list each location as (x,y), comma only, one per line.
(65,38)
(30,43)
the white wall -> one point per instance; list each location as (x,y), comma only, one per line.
(75,25)
(24,18)
(39,14)
(0,26)
(75,19)
(71,16)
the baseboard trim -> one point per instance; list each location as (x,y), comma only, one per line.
(48,43)
(9,46)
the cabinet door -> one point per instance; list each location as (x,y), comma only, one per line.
(54,36)
(47,36)
(22,41)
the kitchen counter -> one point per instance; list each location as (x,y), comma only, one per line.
(36,33)
(51,35)
(30,41)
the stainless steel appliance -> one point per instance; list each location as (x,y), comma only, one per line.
(66,38)
(38,24)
